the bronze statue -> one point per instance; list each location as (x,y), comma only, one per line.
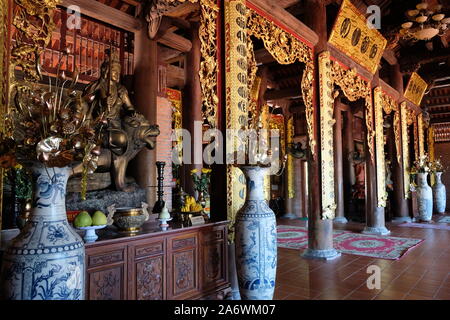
(127,131)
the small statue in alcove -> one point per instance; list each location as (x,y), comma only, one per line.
(127,131)
(358,160)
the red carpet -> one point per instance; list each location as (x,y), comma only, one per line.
(392,248)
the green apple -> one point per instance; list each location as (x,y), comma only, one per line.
(99,218)
(83,219)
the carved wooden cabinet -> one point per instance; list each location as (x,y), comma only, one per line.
(185,263)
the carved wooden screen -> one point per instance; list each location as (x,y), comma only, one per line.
(87,45)
(354,87)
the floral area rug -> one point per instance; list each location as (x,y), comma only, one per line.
(391,248)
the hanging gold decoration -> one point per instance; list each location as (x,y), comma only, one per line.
(416,89)
(352,36)
(354,88)
(389,106)
(287,49)
(404,110)
(237,97)
(379,141)
(416,140)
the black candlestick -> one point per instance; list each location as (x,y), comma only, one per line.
(159,205)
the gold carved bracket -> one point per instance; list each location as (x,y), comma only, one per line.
(287,49)
(208,38)
(354,88)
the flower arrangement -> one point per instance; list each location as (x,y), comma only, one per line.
(53,125)
(423,165)
(437,166)
(201,183)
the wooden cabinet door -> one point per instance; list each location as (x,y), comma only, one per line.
(106,273)
(213,258)
(182,266)
(146,272)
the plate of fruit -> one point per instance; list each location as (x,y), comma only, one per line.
(84,221)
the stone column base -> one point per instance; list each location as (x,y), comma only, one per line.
(288,216)
(329,254)
(380,231)
(340,220)
(401,219)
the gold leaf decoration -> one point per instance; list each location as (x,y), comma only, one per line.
(287,49)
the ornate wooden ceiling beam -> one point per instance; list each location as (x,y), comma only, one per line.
(175,41)
(97,10)
(282,94)
(279,14)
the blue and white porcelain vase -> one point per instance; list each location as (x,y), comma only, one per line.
(256,240)
(46,260)
(424,197)
(439,194)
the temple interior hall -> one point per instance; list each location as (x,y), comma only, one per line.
(224,150)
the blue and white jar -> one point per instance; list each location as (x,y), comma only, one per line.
(439,194)
(424,198)
(256,240)
(46,260)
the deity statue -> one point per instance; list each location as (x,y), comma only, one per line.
(127,131)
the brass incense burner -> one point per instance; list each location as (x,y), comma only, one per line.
(128,220)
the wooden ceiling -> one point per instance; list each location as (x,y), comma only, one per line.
(431,60)
(130,7)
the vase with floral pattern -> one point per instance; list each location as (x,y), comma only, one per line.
(46,260)
(439,194)
(424,197)
(256,240)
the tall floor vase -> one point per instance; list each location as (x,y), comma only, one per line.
(256,240)
(46,260)
(439,194)
(424,198)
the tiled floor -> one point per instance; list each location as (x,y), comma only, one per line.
(423,273)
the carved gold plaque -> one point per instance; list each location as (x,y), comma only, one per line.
(352,36)
(416,89)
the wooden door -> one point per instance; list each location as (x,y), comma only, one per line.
(182,263)
(106,273)
(146,275)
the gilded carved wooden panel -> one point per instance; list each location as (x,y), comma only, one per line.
(387,104)
(421,134)
(236,65)
(404,110)
(354,87)
(379,141)
(208,38)
(326,133)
